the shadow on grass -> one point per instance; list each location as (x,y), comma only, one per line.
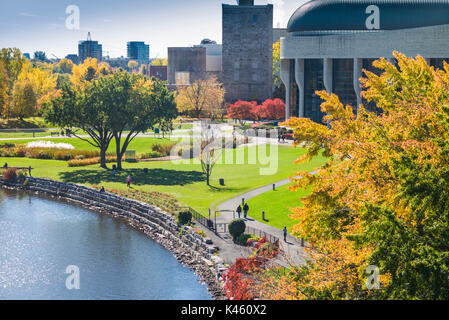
(155,177)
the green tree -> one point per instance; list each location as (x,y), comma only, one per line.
(85,108)
(138,104)
(40,56)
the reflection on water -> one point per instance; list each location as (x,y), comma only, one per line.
(39,238)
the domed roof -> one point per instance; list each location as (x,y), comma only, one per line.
(345,15)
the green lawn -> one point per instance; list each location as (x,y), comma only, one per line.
(277,205)
(185,182)
(139,144)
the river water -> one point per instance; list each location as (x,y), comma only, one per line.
(41,238)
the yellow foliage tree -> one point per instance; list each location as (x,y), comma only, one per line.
(4,96)
(381,198)
(204,97)
(88,70)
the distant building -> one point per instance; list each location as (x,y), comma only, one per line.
(89,49)
(159,72)
(73,57)
(247,51)
(329,43)
(139,51)
(278,33)
(186,65)
(121,62)
(214,56)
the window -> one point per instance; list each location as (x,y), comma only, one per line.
(255,18)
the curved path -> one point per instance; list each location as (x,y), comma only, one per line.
(292,248)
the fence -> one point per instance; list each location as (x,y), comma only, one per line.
(259,233)
(223,227)
(200,218)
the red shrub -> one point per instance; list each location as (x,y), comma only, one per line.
(242,110)
(9,175)
(271,109)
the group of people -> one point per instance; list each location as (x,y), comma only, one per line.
(243,208)
(281,136)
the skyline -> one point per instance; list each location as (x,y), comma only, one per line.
(40,26)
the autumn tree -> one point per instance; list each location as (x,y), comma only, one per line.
(24,99)
(132,65)
(12,61)
(4,96)
(42,80)
(271,109)
(64,66)
(204,97)
(381,199)
(159,62)
(242,111)
(87,71)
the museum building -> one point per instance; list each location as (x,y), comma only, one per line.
(330,42)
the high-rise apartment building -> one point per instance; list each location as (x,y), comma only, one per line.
(89,49)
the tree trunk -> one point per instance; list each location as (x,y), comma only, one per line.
(208,175)
(118,152)
(103,158)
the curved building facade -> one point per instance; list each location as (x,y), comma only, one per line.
(330,42)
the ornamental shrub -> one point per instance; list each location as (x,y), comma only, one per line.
(236,228)
(184,217)
(10,174)
(243,239)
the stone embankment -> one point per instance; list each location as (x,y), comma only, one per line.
(189,248)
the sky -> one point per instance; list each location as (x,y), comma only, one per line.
(32,25)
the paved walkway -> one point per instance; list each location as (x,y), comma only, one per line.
(292,248)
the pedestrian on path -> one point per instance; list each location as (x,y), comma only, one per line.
(239,210)
(285,233)
(245,210)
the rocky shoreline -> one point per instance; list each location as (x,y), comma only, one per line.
(188,248)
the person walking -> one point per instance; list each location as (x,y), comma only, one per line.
(239,211)
(128,181)
(285,233)
(245,210)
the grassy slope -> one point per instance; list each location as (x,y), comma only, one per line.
(185,182)
(277,205)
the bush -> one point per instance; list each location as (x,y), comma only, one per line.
(90,161)
(243,239)
(150,155)
(236,228)
(184,217)
(163,148)
(21,174)
(10,174)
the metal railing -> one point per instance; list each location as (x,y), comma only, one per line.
(223,227)
(259,233)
